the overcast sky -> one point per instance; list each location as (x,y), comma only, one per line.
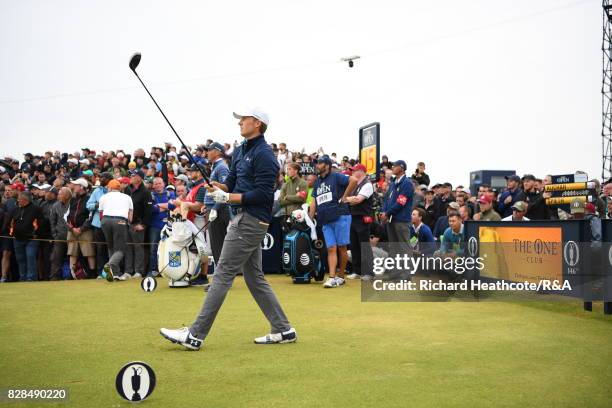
(463,86)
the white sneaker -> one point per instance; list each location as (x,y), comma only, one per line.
(137,275)
(353,276)
(367,278)
(290,336)
(340,281)
(330,283)
(183,337)
(125,276)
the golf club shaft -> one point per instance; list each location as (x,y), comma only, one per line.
(176,134)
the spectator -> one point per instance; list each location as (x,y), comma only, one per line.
(10,205)
(486,210)
(311,179)
(465,212)
(420,176)
(428,206)
(518,212)
(58,220)
(142,206)
(161,208)
(442,222)
(422,240)
(362,215)
(45,248)
(80,234)
(25,222)
(117,211)
(510,196)
(442,198)
(96,223)
(453,240)
(294,191)
(535,201)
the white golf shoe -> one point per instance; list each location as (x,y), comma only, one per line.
(290,336)
(183,337)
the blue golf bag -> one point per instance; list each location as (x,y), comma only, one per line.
(301,257)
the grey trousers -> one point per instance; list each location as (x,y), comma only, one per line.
(241,252)
(116,233)
(135,254)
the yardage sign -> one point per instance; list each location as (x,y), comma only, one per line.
(369,148)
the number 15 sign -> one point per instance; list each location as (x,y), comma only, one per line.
(369,148)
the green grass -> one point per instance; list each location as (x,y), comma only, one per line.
(459,354)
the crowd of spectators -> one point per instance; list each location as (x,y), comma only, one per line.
(51,223)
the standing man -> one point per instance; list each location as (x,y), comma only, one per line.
(330,192)
(249,188)
(142,200)
(96,223)
(25,223)
(362,214)
(117,210)
(218,215)
(80,235)
(58,218)
(161,208)
(397,210)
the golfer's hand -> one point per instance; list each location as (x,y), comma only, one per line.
(212,215)
(219,196)
(508,200)
(215,185)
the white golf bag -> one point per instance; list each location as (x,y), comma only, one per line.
(180,252)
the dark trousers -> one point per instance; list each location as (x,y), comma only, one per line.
(101,249)
(58,255)
(44,259)
(361,251)
(26,252)
(116,233)
(217,231)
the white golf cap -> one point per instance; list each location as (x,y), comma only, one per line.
(257,113)
(84,161)
(73,161)
(81,182)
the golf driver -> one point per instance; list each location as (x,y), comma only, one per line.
(134,61)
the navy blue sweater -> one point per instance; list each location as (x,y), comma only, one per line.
(253,174)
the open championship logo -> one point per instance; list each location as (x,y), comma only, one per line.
(571,253)
(135,381)
(268,242)
(472,246)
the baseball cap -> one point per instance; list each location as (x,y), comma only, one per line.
(88,173)
(513,177)
(106,175)
(84,161)
(53,190)
(590,208)
(138,173)
(81,182)
(422,187)
(114,184)
(35,186)
(520,206)
(485,199)
(529,177)
(183,178)
(171,187)
(124,180)
(194,167)
(400,163)
(454,205)
(577,206)
(359,167)
(325,159)
(255,112)
(217,146)
(73,161)
(18,186)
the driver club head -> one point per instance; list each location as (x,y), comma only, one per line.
(134,61)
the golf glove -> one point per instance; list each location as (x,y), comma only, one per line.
(219,196)
(212,215)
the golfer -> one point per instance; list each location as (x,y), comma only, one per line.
(249,189)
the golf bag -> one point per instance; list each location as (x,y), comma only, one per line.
(301,257)
(180,251)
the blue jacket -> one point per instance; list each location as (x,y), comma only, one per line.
(326,192)
(219,173)
(159,217)
(423,241)
(440,227)
(92,205)
(399,202)
(253,174)
(506,209)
